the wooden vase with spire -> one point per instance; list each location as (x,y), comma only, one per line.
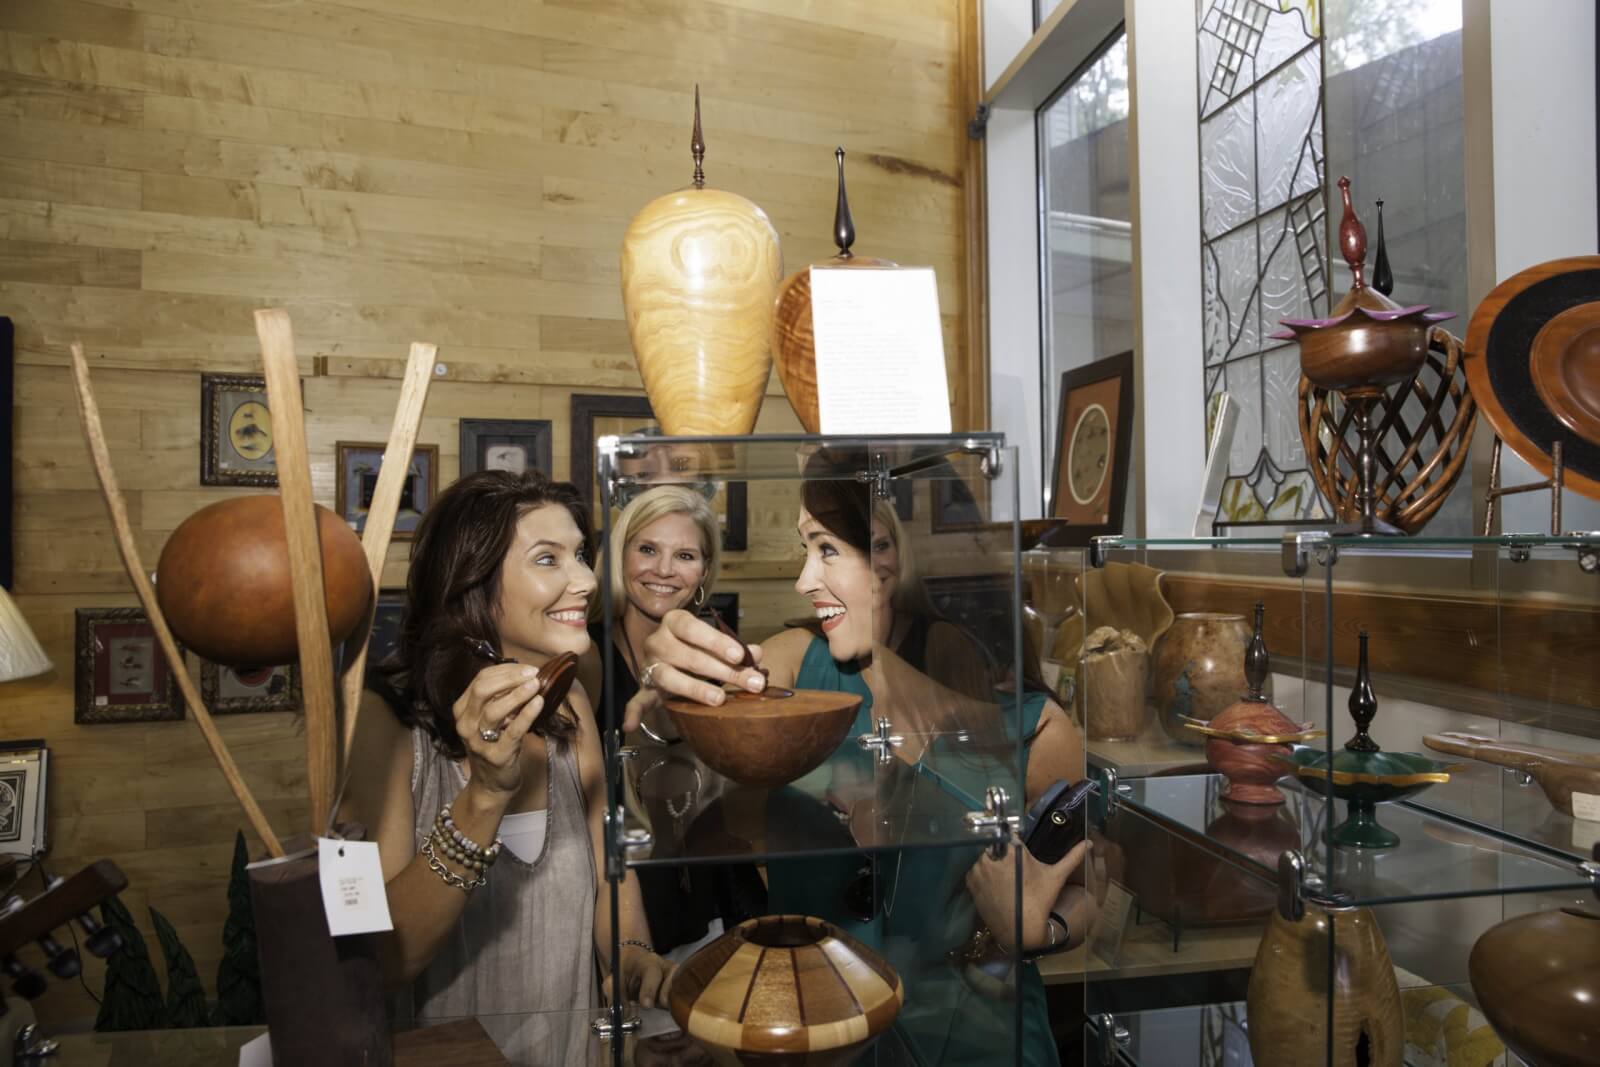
(699,270)
(793,338)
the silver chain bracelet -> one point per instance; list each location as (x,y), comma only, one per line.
(450,877)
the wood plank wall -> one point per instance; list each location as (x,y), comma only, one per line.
(389,170)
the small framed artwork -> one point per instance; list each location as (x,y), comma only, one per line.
(595,416)
(121,675)
(24,767)
(955,507)
(391,609)
(230,691)
(236,431)
(505,445)
(356,466)
(1094,441)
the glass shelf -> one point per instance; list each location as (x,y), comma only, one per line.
(1201,1035)
(642,459)
(1438,858)
(1577,539)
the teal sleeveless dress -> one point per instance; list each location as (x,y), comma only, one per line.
(915,908)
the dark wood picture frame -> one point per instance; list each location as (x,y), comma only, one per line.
(221,460)
(533,436)
(285,695)
(25,776)
(588,407)
(1098,383)
(102,696)
(350,486)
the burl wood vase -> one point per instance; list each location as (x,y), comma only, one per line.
(767,740)
(700,268)
(1198,671)
(1538,979)
(786,989)
(224,584)
(1289,992)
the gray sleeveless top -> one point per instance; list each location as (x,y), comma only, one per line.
(525,943)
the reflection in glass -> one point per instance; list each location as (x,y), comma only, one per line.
(1085,226)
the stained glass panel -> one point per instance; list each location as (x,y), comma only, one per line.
(1263,218)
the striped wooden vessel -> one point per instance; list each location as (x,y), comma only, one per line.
(786,988)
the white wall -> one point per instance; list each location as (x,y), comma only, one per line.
(1543,81)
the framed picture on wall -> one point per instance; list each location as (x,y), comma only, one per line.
(356,467)
(24,767)
(236,431)
(1094,440)
(119,672)
(595,416)
(505,445)
(231,691)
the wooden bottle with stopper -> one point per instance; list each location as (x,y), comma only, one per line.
(700,268)
(793,338)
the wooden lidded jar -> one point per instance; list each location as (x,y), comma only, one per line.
(1249,765)
(700,268)
(794,345)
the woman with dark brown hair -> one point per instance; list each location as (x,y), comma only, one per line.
(488,807)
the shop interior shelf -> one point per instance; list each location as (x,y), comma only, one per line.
(1439,857)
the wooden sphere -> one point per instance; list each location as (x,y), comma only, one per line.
(224,586)
(700,268)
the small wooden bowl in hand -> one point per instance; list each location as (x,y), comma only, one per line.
(768,739)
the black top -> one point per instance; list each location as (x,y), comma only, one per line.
(680,902)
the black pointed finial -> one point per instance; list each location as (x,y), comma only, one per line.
(1363,704)
(1382,276)
(1257,664)
(844,227)
(698,144)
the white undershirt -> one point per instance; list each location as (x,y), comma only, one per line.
(523,834)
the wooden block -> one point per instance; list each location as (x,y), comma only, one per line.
(57,264)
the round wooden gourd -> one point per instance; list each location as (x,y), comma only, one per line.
(224,585)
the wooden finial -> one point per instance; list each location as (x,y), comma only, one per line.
(1382,276)
(1352,237)
(698,144)
(1257,663)
(844,227)
(1363,704)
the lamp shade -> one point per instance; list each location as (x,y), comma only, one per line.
(20,654)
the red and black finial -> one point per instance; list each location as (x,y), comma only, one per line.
(698,144)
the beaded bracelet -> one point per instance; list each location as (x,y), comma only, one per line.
(443,822)
(450,878)
(476,862)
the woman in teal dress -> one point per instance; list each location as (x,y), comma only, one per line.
(879,638)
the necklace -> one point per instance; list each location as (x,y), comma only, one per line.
(689,796)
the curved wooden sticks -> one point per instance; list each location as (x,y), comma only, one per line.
(101,454)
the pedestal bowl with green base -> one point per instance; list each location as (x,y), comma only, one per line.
(1364,780)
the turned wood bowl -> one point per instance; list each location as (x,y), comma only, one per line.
(223,582)
(1538,979)
(768,739)
(786,988)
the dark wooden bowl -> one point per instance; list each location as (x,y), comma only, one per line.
(224,586)
(786,988)
(1538,979)
(766,740)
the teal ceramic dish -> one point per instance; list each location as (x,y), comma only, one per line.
(1364,780)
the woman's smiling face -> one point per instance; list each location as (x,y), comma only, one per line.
(664,564)
(545,586)
(850,592)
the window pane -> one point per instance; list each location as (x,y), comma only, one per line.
(1395,127)
(1086,225)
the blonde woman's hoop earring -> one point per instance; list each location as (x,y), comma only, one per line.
(700,597)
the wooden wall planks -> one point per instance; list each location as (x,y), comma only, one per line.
(390,170)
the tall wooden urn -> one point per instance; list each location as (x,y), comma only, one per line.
(700,269)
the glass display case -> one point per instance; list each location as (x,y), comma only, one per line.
(880,589)
(1354,795)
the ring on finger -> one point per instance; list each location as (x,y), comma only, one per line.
(647,676)
(489,735)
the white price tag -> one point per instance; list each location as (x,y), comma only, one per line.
(1586,806)
(1105,940)
(256,1053)
(352,887)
